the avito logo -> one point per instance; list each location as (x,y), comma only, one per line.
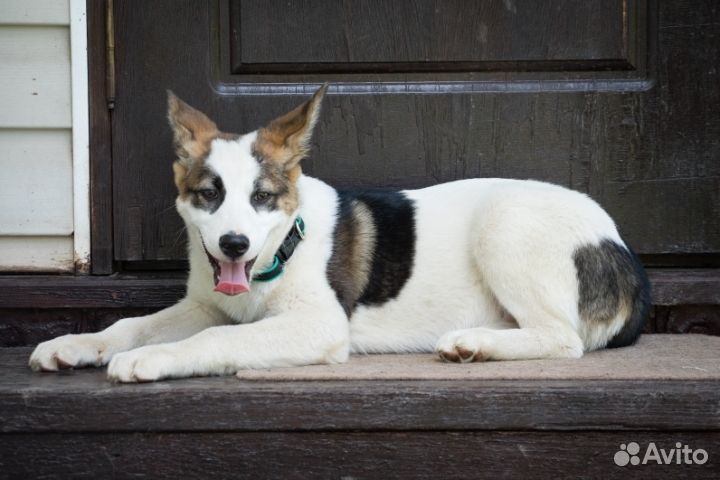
(680,455)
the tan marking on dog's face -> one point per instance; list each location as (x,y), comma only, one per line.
(198,177)
(282,186)
(179,175)
(284,182)
(280,146)
(286,140)
(193,134)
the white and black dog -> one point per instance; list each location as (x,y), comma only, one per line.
(286,270)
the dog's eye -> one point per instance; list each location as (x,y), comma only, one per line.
(260,196)
(209,194)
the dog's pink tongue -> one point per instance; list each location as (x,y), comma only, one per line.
(233,279)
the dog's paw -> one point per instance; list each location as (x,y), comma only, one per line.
(461,346)
(146,364)
(70,351)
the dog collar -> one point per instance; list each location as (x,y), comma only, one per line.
(283,254)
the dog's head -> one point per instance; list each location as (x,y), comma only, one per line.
(238,189)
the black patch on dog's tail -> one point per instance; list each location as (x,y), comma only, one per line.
(609,276)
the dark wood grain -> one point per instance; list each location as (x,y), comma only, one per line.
(91,292)
(670,287)
(155,51)
(685,286)
(84,401)
(37,308)
(30,326)
(455,47)
(25,326)
(646,152)
(704,319)
(411,35)
(101,224)
(387,455)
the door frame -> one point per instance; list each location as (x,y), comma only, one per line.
(100,53)
(80,136)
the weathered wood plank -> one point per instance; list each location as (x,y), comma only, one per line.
(30,326)
(101,224)
(703,319)
(36,184)
(84,401)
(431,455)
(670,287)
(646,152)
(38,308)
(336,37)
(90,292)
(690,218)
(685,286)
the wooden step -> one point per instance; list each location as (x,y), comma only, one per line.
(35,308)
(375,417)
(670,286)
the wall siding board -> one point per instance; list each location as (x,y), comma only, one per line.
(36,185)
(35,12)
(35,77)
(36,254)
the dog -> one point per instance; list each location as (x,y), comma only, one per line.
(286,271)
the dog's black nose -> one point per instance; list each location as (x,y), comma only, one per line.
(233,245)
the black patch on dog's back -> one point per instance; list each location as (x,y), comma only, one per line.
(394,216)
(389,254)
(610,276)
(350,263)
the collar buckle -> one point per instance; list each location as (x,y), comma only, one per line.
(300,227)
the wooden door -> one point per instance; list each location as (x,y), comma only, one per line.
(619,99)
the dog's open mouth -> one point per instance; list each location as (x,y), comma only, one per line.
(231,278)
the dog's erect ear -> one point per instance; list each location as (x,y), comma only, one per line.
(192,130)
(286,140)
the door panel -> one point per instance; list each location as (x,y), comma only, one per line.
(617,99)
(410,35)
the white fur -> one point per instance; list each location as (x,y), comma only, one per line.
(493,275)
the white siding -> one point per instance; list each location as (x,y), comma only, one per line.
(35,77)
(34,12)
(80,135)
(36,182)
(36,254)
(36,137)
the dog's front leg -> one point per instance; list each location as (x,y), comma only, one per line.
(285,340)
(180,321)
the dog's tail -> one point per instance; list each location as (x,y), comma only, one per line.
(639,298)
(613,282)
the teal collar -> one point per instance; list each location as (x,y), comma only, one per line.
(283,254)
